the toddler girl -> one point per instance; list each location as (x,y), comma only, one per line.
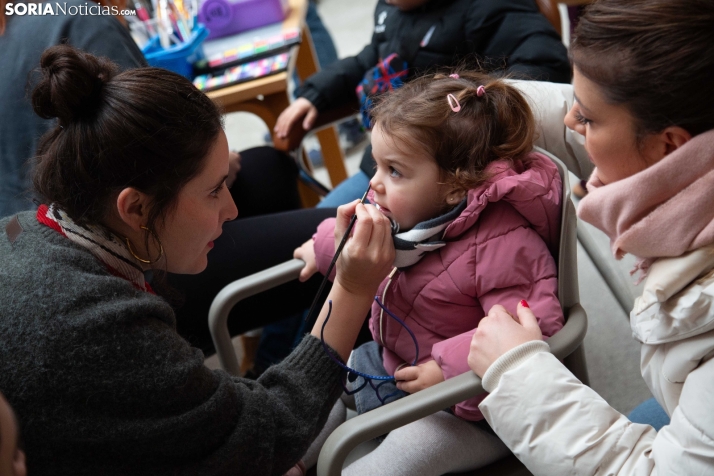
(477,217)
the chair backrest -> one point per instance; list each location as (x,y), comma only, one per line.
(567,258)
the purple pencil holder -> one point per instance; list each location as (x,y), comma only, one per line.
(228,17)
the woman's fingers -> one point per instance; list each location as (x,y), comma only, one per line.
(365,260)
(499,332)
(526,316)
(363,227)
(344,215)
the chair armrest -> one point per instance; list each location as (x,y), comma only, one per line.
(324,119)
(236,291)
(393,415)
(431,400)
(571,336)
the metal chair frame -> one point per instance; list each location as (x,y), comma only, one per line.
(566,345)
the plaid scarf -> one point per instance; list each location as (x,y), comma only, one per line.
(412,245)
(102,243)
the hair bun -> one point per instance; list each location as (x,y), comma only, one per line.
(71,83)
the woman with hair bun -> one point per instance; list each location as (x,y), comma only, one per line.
(643,70)
(261,181)
(23,38)
(132,180)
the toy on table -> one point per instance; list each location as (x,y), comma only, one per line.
(243,72)
(248,46)
(227,17)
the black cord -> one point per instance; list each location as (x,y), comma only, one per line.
(334,261)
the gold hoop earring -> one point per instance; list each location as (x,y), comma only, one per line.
(142,260)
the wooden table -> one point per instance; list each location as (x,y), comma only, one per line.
(267,97)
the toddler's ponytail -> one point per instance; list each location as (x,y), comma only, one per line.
(465,120)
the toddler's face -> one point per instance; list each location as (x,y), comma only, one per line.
(406,182)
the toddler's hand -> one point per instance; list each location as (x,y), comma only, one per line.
(499,332)
(413,379)
(306,252)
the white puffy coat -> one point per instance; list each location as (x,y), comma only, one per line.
(558,426)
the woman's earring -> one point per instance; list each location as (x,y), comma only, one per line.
(142,260)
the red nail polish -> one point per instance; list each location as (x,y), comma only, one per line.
(524,303)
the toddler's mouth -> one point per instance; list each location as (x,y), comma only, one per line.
(382,209)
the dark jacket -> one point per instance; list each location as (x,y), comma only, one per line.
(21,46)
(103,385)
(494,31)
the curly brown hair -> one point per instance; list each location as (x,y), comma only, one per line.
(498,125)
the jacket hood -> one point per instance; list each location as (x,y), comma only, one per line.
(534,189)
(678,298)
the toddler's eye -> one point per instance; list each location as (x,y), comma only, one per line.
(394,172)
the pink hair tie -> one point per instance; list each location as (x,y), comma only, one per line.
(455,76)
(480,91)
(453,102)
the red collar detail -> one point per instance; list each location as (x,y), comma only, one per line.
(116,273)
(42,218)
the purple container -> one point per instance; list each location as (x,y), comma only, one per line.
(228,17)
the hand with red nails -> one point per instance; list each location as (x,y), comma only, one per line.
(499,332)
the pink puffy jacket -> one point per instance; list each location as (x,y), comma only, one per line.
(498,251)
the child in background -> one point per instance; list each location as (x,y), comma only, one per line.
(478,218)
(508,34)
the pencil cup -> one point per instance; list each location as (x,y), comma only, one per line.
(178,58)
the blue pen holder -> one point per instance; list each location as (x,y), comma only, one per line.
(177,58)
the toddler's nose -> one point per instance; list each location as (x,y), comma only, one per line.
(376,184)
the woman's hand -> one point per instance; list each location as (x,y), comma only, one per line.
(306,252)
(365,261)
(368,254)
(415,378)
(301,108)
(499,332)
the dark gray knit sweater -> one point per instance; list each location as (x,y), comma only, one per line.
(103,385)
